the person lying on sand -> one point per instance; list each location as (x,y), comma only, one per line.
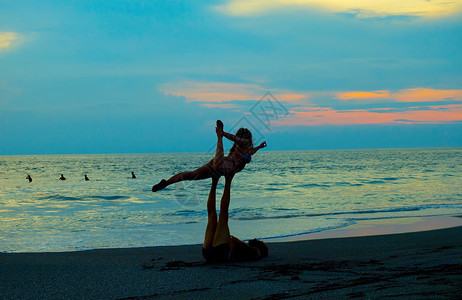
(240,154)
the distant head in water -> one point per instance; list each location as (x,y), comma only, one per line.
(133,175)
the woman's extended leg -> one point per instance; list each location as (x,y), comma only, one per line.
(222,234)
(206,171)
(200,173)
(212,215)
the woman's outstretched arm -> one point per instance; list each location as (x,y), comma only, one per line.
(241,142)
(254,150)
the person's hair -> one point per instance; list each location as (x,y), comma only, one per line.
(243,133)
(260,245)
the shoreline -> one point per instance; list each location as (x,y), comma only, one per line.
(360,228)
(373,227)
(419,265)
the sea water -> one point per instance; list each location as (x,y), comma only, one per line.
(278,194)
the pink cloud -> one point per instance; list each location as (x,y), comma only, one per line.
(427,95)
(328,116)
(406,95)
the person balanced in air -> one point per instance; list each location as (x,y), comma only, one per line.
(239,155)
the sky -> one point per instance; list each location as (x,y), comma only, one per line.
(123,76)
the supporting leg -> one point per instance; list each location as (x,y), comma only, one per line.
(212,215)
(222,234)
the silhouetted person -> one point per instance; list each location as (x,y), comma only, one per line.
(62,177)
(239,156)
(86,177)
(133,175)
(29,178)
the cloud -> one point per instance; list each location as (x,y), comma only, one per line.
(310,116)
(356,8)
(332,108)
(363,95)
(219,105)
(378,107)
(427,95)
(406,95)
(214,93)
(7,39)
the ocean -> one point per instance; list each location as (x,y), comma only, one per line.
(280,193)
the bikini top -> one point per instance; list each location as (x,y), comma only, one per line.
(247,157)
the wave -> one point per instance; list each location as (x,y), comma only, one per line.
(310,185)
(187,213)
(83,198)
(251,214)
(346,183)
(346,224)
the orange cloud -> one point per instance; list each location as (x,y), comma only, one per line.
(292,97)
(407,95)
(363,95)
(426,95)
(220,95)
(328,116)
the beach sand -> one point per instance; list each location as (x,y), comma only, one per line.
(419,265)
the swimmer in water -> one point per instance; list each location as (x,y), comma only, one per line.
(29,178)
(133,175)
(62,177)
(86,177)
(240,154)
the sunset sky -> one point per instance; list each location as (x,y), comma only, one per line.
(153,76)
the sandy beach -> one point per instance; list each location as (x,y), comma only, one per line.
(419,265)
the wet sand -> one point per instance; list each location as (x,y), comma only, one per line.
(419,265)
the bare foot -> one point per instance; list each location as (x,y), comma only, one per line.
(219,128)
(161,185)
